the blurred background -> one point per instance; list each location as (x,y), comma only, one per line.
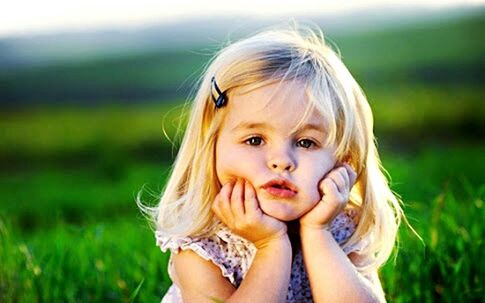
(91,95)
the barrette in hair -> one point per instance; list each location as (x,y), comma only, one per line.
(221,100)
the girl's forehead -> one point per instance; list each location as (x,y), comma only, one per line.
(269,98)
(278,105)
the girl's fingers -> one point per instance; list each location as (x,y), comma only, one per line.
(216,208)
(351,173)
(250,201)
(330,190)
(237,199)
(224,203)
(215,205)
(226,190)
(345,175)
(334,196)
(339,180)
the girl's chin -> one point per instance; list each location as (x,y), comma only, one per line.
(278,210)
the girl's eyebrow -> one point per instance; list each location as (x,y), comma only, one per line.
(251,125)
(312,126)
(256,125)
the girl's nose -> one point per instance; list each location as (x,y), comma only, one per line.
(281,162)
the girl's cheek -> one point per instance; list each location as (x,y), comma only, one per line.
(230,172)
(316,191)
(315,194)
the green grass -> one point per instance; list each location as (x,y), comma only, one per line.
(55,131)
(443,192)
(91,192)
(99,262)
(448,266)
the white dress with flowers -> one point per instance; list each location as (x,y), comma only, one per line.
(234,255)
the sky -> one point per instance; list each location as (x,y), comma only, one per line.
(19,17)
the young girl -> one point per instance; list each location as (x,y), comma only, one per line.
(277,193)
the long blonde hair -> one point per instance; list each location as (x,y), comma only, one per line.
(272,55)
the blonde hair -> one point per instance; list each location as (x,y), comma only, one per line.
(266,57)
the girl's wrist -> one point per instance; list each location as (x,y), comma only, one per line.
(310,234)
(314,228)
(275,240)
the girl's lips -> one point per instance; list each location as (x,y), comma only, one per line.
(280,188)
(280,192)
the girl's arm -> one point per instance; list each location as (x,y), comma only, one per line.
(333,277)
(269,275)
(266,280)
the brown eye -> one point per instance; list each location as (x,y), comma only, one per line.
(305,143)
(255,141)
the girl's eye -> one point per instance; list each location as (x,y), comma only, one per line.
(305,143)
(255,141)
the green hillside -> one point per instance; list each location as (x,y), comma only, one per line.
(435,53)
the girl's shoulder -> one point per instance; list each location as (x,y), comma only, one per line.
(231,253)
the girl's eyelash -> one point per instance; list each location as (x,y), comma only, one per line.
(312,143)
(253,137)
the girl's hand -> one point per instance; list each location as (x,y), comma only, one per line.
(236,205)
(335,189)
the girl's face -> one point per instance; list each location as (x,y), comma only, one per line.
(255,143)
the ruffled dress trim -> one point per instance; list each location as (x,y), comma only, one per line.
(211,249)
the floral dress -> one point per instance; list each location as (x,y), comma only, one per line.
(234,255)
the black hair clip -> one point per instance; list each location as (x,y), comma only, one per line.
(222,99)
